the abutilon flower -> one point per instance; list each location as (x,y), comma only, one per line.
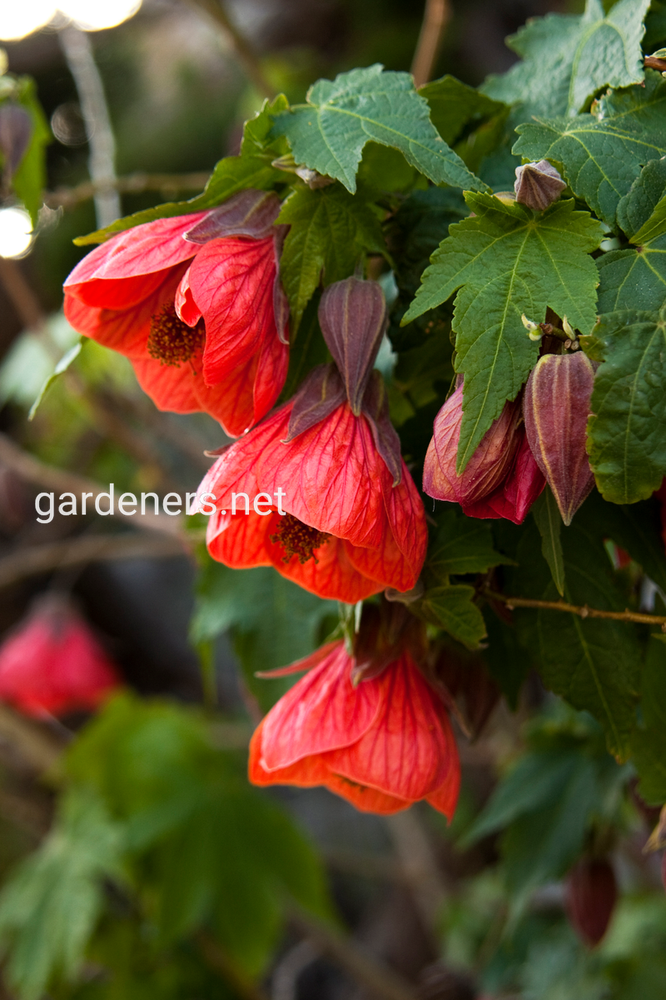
(52,663)
(196,304)
(501,478)
(556,407)
(325,495)
(369,728)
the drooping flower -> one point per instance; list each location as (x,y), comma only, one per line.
(52,663)
(196,304)
(556,406)
(501,478)
(375,733)
(321,491)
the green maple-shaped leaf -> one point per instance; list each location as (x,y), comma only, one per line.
(642,212)
(330,229)
(454,104)
(601,154)
(568,59)
(508,261)
(627,429)
(329,132)
(635,278)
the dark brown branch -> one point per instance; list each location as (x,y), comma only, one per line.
(653,62)
(167,185)
(380,981)
(245,54)
(27,562)
(436,16)
(582,611)
(61,481)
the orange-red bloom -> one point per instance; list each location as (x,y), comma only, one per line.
(321,491)
(382,744)
(196,305)
(501,479)
(52,663)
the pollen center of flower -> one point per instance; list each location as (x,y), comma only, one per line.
(298,539)
(171,341)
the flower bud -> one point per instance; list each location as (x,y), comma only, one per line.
(487,467)
(591,893)
(538,185)
(556,407)
(514,497)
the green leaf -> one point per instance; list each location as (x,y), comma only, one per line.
(549,523)
(252,169)
(507,661)
(329,132)
(601,154)
(627,427)
(452,608)
(51,903)
(274,621)
(61,367)
(635,528)
(568,59)
(453,105)
(648,746)
(508,261)
(307,351)
(462,545)
(207,848)
(642,211)
(330,230)
(594,664)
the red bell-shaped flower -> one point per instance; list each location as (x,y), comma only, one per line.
(375,733)
(52,663)
(501,478)
(319,489)
(196,304)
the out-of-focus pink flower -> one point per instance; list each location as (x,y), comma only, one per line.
(51,663)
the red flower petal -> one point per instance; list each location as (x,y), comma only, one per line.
(231,280)
(145,249)
(407,751)
(321,712)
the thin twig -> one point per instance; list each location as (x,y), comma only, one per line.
(378,980)
(582,611)
(654,62)
(78,52)
(165,184)
(61,481)
(284,981)
(245,54)
(436,16)
(220,962)
(419,864)
(27,562)
(20,294)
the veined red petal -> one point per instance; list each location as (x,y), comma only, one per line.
(185,306)
(445,798)
(334,577)
(362,797)
(238,541)
(322,711)
(407,751)
(142,250)
(231,280)
(123,330)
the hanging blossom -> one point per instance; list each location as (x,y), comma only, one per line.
(367,725)
(196,304)
(325,496)
(501,479)
(52,663)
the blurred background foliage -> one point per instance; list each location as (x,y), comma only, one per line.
(136,860)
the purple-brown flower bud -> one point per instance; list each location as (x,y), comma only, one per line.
(591,893)
(487,467)
(353,319)
(538,185)
(556,406)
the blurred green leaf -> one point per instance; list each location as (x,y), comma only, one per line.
(462,545)
(50,905)
(452,607)
(648,744)
(549,523)
(29,179)
(454,104)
